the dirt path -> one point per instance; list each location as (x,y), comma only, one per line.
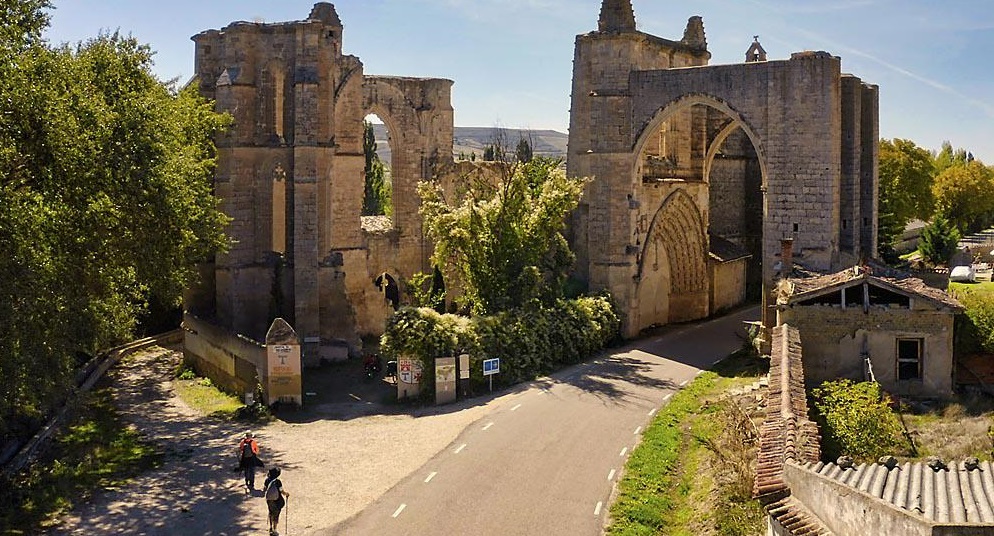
(332,468)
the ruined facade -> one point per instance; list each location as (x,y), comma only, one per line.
(291,177)
(682,151)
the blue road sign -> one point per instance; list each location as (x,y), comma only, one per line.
(491,366)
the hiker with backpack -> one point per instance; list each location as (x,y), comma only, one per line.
(248,459)
(276,498)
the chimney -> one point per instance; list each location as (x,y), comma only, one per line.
(786,257)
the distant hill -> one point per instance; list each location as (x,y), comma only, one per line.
(468,140)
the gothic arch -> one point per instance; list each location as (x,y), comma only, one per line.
(688,101)
(673,261)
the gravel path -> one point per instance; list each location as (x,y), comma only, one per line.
(331,468)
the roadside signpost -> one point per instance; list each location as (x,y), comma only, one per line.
(491,367)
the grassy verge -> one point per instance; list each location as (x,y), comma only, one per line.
(983,287)
(692,473)
(201,395)
(99,450)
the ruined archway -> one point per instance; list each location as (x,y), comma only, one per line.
(672,271)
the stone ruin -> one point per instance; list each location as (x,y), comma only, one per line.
(699,172)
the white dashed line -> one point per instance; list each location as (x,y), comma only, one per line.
(637,430)
(597,509)
(684,384)
(515,408)
(653,410)
(667,397)
(399,510)
(458,450)
(610,476)
(431,476)
(355,397)
(624,451)
(487,427)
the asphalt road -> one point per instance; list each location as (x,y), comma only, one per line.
(545,461)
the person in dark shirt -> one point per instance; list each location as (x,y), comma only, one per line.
(276,498)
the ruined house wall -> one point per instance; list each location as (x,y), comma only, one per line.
(835,337)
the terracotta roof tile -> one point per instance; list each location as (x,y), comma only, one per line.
(804,283)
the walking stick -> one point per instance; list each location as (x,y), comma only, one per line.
(286,525)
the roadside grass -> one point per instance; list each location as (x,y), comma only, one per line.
(692,473)
(96,452)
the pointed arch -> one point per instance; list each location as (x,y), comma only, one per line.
(679,228)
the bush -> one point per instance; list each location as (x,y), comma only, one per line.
(974,330)
(856,420)
(529,341)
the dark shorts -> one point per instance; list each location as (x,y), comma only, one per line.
(275,507)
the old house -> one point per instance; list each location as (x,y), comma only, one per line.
(860,325)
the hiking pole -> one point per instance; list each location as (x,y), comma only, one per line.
(286,525)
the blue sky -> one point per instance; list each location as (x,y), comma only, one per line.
(512,59)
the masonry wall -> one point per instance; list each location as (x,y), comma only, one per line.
(235,364)
(848,512)
(834,338)
(728,284)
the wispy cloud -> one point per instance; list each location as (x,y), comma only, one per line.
(986,107)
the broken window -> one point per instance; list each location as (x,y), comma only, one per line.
(909,359)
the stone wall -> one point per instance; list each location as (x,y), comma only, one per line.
(728,284)
(834,339)
(234,363)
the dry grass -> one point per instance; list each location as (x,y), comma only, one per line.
(953,430)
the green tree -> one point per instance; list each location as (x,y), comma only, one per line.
(906,174)
(964,194)
(938,241)
(505,242)
(949,157)
(377,194)
(856,420)
(523,152)
(105,201)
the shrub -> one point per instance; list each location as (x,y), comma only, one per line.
(528,341)
(856,420)
(975,330)
(938,241)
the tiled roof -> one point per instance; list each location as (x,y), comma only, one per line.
(805,284)
(796,520)
(786,433)
(724,250)
(954,495)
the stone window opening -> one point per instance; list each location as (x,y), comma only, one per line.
(909,358)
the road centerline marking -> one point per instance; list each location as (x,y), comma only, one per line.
(515,408)
(597,509)
(399,510)
(458,450)
(487,427)
(610,476)
(431,476)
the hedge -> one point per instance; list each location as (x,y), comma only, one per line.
(529,342)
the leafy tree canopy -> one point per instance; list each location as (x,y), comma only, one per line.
(105,200)
(377,194)
(964,194)
(504,241)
